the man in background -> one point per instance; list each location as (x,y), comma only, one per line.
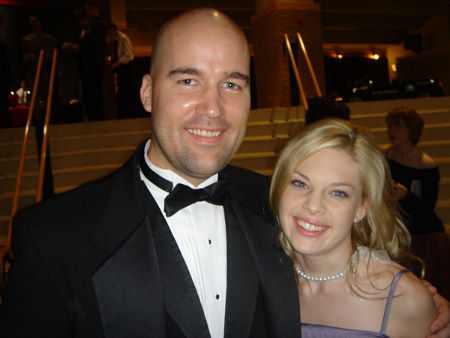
(5,81)
(122,66)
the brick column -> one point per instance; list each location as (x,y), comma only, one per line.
(271,57)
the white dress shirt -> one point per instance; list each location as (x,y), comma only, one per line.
(200,233)
(124,48)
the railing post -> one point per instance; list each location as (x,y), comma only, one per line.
(44,148)
(296,73)
(310,67)
(5,250)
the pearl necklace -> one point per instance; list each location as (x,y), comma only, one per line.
(320,279)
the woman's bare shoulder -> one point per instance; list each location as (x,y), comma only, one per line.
(385,148)
(412,308)
(428,161)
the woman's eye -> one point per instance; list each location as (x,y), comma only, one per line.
(299,184)
(340,193)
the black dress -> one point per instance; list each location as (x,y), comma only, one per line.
(429,239)
(420,201)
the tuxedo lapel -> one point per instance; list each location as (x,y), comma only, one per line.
(242,280)
(180,296)
(276,277)
(127,283)
(125,286)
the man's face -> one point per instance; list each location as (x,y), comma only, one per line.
(111,35)
(200,100)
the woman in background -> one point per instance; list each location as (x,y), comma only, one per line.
(332,196)
(416,183)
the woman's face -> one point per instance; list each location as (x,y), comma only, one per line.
(398,133)
(322,200)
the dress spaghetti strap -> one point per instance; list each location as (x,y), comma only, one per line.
(387,309)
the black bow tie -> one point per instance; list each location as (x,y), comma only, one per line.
(182,196)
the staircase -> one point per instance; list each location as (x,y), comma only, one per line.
(83,152)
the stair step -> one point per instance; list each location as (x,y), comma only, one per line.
(444,166)
(10,166)
(431,132)
(255,161)
(8,182)
(14,148)
(76,176)
(91,157)
(435,149)
(25,200)
(444,189)
(377,120)
(424,104)
(443,211)
(110,140)
(4,223)
(261,144)
(278,114)
(99,127)
(274,129)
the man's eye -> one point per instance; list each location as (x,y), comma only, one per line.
(231,85)
(187,82)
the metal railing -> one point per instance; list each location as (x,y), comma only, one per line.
(5,252)
(296,72)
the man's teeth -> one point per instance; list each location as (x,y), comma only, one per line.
(310,227)
(204,133)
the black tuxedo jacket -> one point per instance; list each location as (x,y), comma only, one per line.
(101,261)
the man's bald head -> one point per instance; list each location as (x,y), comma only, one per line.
(192,22)
(198,92)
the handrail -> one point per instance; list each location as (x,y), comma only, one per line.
(296,73)
(45,133)
(6,248)
(310,67)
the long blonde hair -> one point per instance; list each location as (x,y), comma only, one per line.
(381,228)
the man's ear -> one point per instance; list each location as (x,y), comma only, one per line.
(364,207)
(146,92)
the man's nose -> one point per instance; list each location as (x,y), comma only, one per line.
(211,103)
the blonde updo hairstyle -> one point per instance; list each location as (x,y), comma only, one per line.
(380,229)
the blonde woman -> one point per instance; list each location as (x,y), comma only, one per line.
(332,196)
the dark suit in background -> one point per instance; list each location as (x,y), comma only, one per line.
(92,64)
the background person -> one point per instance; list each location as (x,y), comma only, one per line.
(92,53)
(332,195)
(31,44)
(5,81)
(122,65)
(416,184)
(326,107)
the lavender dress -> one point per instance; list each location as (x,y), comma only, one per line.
(322,331)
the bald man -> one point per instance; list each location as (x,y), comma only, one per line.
(114,258)
(176,243)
